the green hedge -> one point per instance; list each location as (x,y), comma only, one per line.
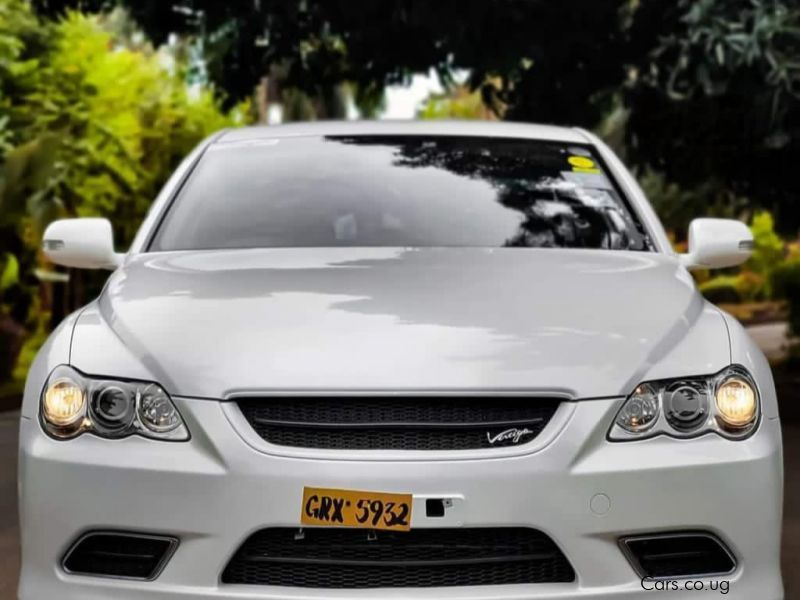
(722,289)
(786,285)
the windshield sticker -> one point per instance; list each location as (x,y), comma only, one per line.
(581,162)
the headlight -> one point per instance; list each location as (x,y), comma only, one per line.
(737,406)
(73,404)
(686,405)
(64,404)
(641,410)
(726,403)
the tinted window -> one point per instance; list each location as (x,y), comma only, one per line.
(399,191)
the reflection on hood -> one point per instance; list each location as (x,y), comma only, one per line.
(586,323)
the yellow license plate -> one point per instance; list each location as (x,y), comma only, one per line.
(351,508)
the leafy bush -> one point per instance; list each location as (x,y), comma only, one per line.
(745,286)
(722,289)
(786,284)
(768,251)
(754,282)
(677,206)
(93,120)
(23,40)
(458,103)
(124,117)
(752,286)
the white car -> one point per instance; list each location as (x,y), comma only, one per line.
(414,360)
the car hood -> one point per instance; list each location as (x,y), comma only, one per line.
(580,323)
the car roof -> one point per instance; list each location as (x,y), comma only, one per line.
(503,129)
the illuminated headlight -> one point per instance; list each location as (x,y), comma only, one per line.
(73,404)
(64,404)
(726,403)
(737,406)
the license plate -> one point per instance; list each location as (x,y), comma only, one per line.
(352,508)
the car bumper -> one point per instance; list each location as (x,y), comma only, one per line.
(220,487)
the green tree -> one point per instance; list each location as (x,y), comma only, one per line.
(459,103)
(718,98)
(711,86)
(23,167)
(93,120)
(23,39)
(123,119)
(552,61)
(768,249)
(677,206)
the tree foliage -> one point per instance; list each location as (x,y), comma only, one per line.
(22,41)
(711,86)
(24,164)
(458,103)
(91,123)
(123,119)
(718,98)
(555,60)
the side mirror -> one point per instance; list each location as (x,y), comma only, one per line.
(717,243)
(81,243)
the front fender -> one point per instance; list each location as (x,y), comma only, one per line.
(54,352)
(745,352)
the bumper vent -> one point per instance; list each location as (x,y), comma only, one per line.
(121,555)
(678,555)
(353,559)
(390,423)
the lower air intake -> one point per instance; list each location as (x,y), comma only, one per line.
(353,558)
(662,556)
(121,555)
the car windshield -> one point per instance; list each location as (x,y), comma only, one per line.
(400,191)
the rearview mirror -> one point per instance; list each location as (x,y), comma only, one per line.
(717,243)
(81,243)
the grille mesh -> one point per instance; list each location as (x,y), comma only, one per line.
(397,423)
(353,559)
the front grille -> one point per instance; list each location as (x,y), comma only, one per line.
(661,556)
(398,423)
(354,558)
(121,555)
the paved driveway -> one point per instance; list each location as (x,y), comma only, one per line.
(791,511)
(9,552)
(772,338)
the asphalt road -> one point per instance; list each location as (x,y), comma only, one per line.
(9,552)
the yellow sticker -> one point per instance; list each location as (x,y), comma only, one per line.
(581,162)
(580,170)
